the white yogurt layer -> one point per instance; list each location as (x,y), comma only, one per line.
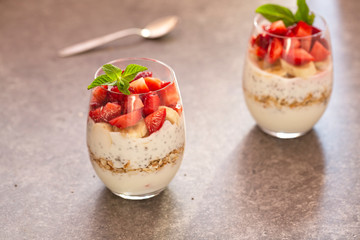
(138,183)
(258,83)
(139,152)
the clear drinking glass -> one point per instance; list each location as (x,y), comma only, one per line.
(136,142)
(288,76)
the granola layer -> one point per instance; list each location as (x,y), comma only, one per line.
(271,101)
(153,165)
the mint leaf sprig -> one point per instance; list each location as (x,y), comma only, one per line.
(114,76)
(274,12)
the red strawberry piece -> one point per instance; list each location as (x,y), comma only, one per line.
(252,40)
(277,28)
(115,95)
(259,51)
(306,44)
(298,56)
(110,111)
(153,83)
(291,43)
(138,86)
(155,120)
(164,84)
(275,50)
(151,103)
(143,75)
(96,115)
(169,95)
(178,108)
(132,103)
(263,41)
(127,120)
(99,94)
(315,30)
(302,29)
(319,52)
(94,103)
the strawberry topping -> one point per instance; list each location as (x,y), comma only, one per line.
(153,83)
(151,103)
(138,86)
(155,120)
(298,56)
(319,52)
(275,50)
(127,120)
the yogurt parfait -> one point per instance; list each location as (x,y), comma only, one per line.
(288,72)
(135,127)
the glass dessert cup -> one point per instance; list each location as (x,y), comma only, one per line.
(136,142)
(287,78)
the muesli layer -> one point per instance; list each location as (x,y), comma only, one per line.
(153,166)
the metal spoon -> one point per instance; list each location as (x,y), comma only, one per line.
(156,29)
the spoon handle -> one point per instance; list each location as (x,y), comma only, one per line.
(90,44)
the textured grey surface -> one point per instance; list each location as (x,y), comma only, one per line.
(235,182)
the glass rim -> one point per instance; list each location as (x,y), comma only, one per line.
(173,79)
(260,29)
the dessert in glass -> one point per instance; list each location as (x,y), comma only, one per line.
(135,127)
(288,74)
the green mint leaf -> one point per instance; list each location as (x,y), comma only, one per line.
(100,80)
(131,71)
(274,12)
(112,71)
(302,13)
(311,18)
(114,76)
(123,87)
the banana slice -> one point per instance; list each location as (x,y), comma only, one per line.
(305,70)
(171,115)
(137,131)
(322,65)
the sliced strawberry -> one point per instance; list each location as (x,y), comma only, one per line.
(178,108)
(319,52)
(275,50)
(302,29)
(151,103)
(164,84)
(155,120)
(298,56)
(291,43)
(138,86)
(315,30)
(127,120)
(132,103)
(96,115)
(110,111)
(115,95)
(252,40)
(277,28)
(153,83)
(169,95)
(260,52)
(263,41)
(99,95)
(143,75)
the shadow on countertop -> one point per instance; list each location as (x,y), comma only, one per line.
(117,218)
(264,185)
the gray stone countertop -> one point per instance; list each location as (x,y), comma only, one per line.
(235,182)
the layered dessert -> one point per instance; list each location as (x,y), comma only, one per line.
(136,140)
(287,78)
